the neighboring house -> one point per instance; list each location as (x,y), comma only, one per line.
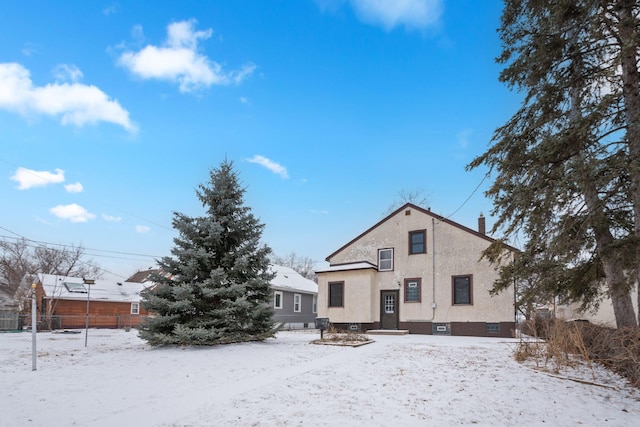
(295,298)
(604,315)
(64,301)
(416,271)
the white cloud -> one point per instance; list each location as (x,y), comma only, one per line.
(29,49)
(413,14)
(28,178)
(271,165)
(72,212)
(74,188)
(111,218)
(67,73)
(319,211)
(142,229)
(110,10)
(75,103)
(463,138)
(178,60)
(244,100)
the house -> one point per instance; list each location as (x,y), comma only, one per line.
(295,298)
(63,302)
(416,271)
(602,315)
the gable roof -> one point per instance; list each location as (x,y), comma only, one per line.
(427,212)
(288,279)
(73,288)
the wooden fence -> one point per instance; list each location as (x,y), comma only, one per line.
(106,321)
(9,320)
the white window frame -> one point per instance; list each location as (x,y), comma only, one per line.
(380,260)
(135,308)
(275,299)
(297,303)
(314,306)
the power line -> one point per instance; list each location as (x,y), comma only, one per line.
(43,245)
(470,195)
(38,242)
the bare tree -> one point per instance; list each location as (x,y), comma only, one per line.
(302,265)
(416,197)
(21,257)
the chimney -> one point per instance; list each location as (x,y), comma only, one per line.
(482,228)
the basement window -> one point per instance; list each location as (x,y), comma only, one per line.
(493,328)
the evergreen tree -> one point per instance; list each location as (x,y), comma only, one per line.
(568,162)
(215,288)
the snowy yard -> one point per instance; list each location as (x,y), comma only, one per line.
(411,380)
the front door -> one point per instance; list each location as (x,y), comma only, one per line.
(389,309)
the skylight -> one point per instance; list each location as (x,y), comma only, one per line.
(75,287)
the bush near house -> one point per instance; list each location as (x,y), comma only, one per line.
(616,349)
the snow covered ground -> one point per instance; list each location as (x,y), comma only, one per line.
(412,380)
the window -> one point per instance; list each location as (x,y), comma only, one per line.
(412,290)
(462,290)
(493,328)
(297,303)
(336,294)
(385,259)
(135,308)
(314,307)
(417,242)
(277,300)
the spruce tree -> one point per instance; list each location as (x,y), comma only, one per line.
(215,288)
(567,163)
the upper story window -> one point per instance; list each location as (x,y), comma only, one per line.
(417,242)
(462,290)
(385,259)
(412,290)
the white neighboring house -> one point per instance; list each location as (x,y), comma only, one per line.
(604,315)
(295,298)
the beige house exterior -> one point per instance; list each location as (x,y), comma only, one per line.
(417,271)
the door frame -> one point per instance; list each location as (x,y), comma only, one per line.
(397,307)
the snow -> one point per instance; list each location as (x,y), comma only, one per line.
(411,380)
(288,279)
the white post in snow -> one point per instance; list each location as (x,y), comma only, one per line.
(87,282)
(34,308)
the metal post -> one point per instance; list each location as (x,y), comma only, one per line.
(34,309)
(86,326)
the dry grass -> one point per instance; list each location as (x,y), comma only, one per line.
(565,344)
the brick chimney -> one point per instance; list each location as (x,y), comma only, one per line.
(482,227)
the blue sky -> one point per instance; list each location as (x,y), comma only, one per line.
(111,114)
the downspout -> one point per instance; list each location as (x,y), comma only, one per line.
(433,269)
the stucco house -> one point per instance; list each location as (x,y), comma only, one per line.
(416,271)
(295,298)
(62,302)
